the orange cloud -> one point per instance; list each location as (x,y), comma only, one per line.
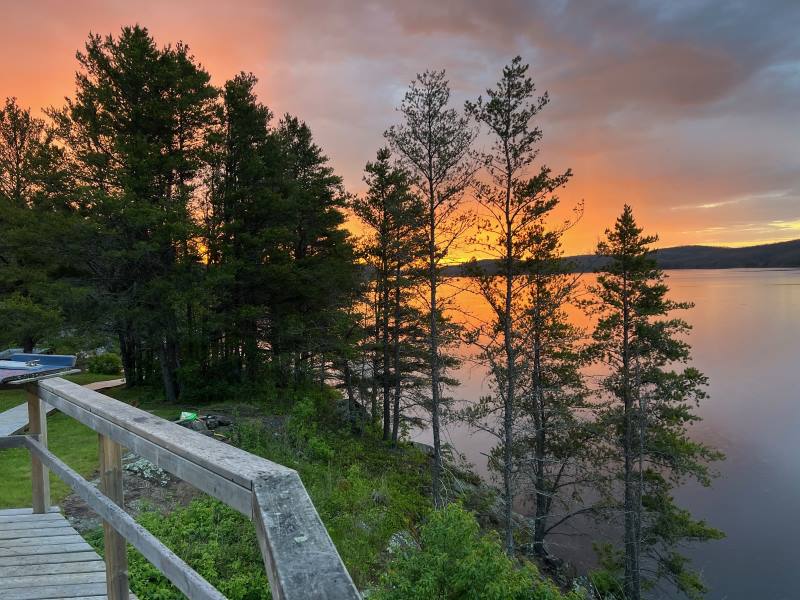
(662,107)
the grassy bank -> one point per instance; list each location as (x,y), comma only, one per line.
(374,501)
(74,443)
(364,491)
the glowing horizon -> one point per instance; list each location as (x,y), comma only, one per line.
(689,118)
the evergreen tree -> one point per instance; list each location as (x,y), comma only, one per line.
(394,217)
(434,144)
(135,132)
(32,172)
(280,267)
(245,230)
(310,297)
(513,231)
(650,394)
(560,454)
(36,220)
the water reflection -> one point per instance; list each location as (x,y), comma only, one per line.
(746,338)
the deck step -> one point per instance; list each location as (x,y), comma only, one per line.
(43,557)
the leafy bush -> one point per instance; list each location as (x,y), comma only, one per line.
(107,363)
(364,492)
(454,561)
(304,426)
(213,539)
(607,579)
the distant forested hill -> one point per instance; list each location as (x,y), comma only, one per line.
(764,256)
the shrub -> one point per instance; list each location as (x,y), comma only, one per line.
(304,426)
(107,363)
(454,561)
(607,580)
(213,539)
(363,492)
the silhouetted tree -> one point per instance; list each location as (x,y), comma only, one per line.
(247,232)
(434,144)
(311,295)
(513,230)
(650,396)
(36,219)
(135,133)
(393,216)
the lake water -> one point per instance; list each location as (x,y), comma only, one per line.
(746,339)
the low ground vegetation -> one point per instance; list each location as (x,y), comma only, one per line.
(374,500)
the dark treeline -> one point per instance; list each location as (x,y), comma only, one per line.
(186,227)
(199,235)
(778,255)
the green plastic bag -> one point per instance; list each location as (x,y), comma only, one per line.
(188,416)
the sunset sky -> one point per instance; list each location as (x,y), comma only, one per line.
(688,110)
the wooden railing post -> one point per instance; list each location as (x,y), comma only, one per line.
(115,545)
(37,425)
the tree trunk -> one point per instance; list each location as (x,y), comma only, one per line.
(508,408)
(436,473)
(387,414)
(128,354)
(375,364)
(167,374)
(542,497)
(397,368)
(631,506)
(141,363)
(348,384)
(511,359)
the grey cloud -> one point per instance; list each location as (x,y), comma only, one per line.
(697,100)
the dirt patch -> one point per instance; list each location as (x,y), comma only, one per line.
(146,487)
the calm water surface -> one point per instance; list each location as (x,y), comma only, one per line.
(746,338)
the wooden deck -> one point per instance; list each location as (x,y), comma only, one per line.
(16,419)
(42,556)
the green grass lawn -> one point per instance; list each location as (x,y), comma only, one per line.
(68,439)
(10,398)
(84,378)
(71,441)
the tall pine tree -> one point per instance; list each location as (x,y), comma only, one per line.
(310,298)
(651,395)
(135,132)
(434,142)
(393,216)
(246,231)
(515,204)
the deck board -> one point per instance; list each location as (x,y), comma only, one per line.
(43,558)
(15,419)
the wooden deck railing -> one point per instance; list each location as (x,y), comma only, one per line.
(300,558)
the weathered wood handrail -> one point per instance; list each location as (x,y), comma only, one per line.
(299,556)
